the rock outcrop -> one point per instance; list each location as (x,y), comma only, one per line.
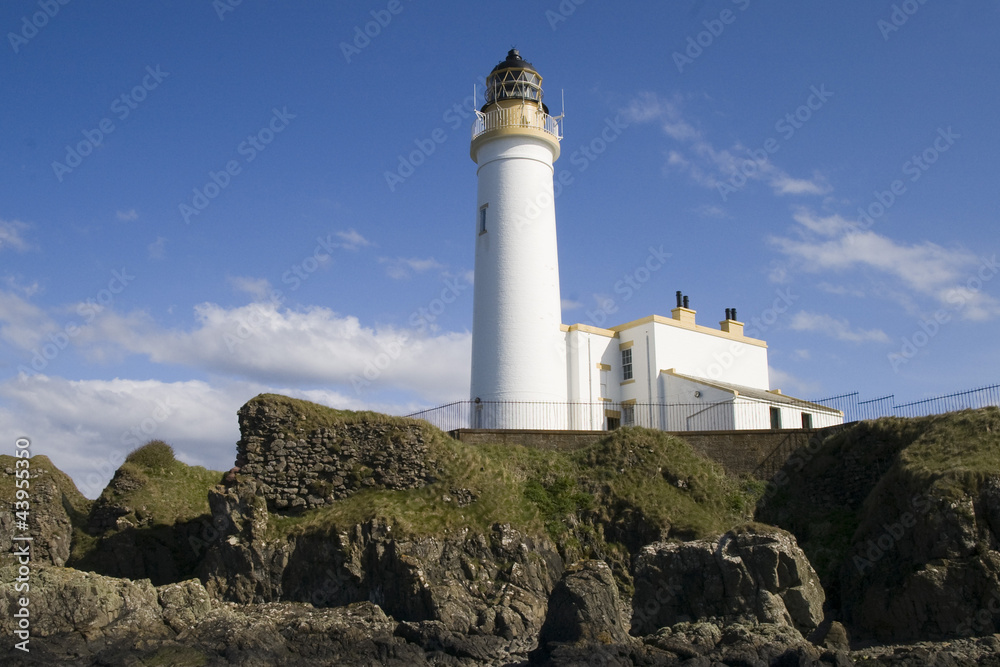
(54,503)
(80,618)
(584,612)
(495,584)
(901,517)
(751,575)
(926,566)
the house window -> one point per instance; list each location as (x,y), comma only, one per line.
(482,218)
(628,415)
(613,423)
(775,418)
(807,420)
(604,383)
(627,364)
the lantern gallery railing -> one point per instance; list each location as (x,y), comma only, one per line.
(516,116)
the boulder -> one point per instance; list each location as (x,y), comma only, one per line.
(752,575)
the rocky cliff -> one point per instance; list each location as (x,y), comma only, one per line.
(901,518)
(328,545)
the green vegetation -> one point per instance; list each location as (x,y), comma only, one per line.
(155,455)
(872,473)
(305,416)
(633,486)
(149,520)
(156,488)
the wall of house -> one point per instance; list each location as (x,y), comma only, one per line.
(710,356)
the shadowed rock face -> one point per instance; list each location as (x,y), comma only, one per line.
(495,584)
(52,500)
(926,566)
(584,607)
(739,577)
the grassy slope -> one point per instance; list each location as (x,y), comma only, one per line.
(947,455)
(628,479)
(162,493)
(633,486)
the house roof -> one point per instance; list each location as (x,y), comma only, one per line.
(770,396)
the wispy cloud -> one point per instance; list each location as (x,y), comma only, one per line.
(127,216)
(401,268)
(157,249)
(258,288)
(924,269)
(570,304)
(12,235)
(835,328)
(707,164)
(352,240)
(262,342)
(791,385)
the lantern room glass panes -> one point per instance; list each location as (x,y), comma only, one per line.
(517,84)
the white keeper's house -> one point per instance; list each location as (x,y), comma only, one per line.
(531,371)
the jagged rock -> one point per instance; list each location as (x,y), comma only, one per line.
(584,607)
(86,619)
(494,584)
(583,611)
(743,575)
(926,566)
(93,606)
(184,605)
(53,500)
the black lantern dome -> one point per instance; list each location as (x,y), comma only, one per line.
(514,78)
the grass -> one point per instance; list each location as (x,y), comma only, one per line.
(948,456)
(633,482)
(159,489)
(305,416)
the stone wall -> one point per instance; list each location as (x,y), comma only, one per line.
(303,465)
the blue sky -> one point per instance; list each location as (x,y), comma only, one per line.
(203,201)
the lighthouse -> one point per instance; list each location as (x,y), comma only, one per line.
(518,348)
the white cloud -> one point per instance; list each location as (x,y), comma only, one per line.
(259,288)
(835,328)
(791,385)
(401,268)
(127,216)
(22,324)
(88,427)
(709,166)
(925,268)
(570,304)
(264,343)
(711,211)
(352,240)
(11,235)
(157,248)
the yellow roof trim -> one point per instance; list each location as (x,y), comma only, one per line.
(659,319)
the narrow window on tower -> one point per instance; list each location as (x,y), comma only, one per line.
(482,218)
(627,364)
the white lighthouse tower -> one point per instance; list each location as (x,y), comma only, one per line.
(518,349)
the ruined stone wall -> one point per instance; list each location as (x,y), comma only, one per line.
(303,466)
